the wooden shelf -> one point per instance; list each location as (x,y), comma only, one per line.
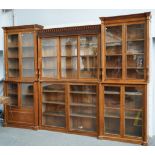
(113,68)
(113,108)
(13,57)
(133,118)
(68,56)
(83,104)
(113,54)
(27,94)
(135,40)
(82,92)
(135,67)
(134,93)
(111,92)
(54,114)
(129,53)
(111,116)
(49,56)
(13,46)
(53,91)
(81,115)
(12,93)
(129,109)
(53,102)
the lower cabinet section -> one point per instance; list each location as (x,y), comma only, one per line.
(107,111)
(70,107)
(123,112)
(23,108)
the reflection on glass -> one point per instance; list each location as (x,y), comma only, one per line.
(12,92)
(134,110)
(53,105)
(69,57)
(114,52)
(88,56)
(28,55)
(135,51)
(112,110)
(27,95)
(13,57)
(83,107)
(49,57)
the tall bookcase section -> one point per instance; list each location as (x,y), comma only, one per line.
(123,89)
(21,75)
(69,72)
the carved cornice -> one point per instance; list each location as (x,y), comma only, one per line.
(76,30)
(35,26)
(140,16)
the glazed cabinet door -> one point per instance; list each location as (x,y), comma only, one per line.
(113,52)
(135,52)
(53,105)
(49,58)
(83,109)
(12,56)
(29,55)
(89,57)
(27,95)
(69,57)
(112,97)
(12,92)
(134,110)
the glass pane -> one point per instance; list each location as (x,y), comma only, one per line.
(135,51)
(112,110)
(113,66)
(69,57)
(53,105)
(49,57)
(83,107)
(88,56)
(134,110)
(12,92)
(27,95)
(28,55)
(114,52)
(13,57)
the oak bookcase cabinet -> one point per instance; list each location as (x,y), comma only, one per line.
(21,74)
(123,88)
(89,80)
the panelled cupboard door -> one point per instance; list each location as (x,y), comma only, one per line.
(13,56)
(125,52)
(83,109)
(53,101)
(123,111)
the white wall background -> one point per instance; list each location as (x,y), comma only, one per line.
(60,18)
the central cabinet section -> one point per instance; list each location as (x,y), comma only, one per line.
(69,107)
